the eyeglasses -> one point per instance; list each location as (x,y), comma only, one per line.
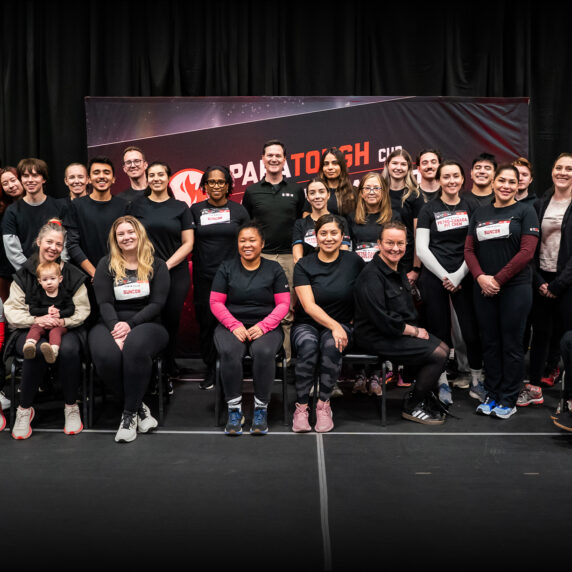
(133,163)
(392,244)
(213,183)
(372,189)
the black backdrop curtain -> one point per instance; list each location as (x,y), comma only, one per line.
(55,53)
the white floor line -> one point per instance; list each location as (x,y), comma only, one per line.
(324,503)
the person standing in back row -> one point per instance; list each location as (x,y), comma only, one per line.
(276,203)
(135,167)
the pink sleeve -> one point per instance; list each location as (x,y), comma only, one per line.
(273,319)
(220,311)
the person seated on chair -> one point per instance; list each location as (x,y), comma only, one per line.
(386,324)
(53,300)
(249,297)
(324,283)
(131,286)
(2,325)
(23,290)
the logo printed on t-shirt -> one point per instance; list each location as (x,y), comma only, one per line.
(131,289)
(446,220)
(310,238)
(215,216)
(493,229)
(367,250)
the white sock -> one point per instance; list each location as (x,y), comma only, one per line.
(260,404)
(476,376)
(235,403)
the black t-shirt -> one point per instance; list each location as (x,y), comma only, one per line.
(497,233)
(365,236)
(448,225)
(131,195)
(276,208)
(408,212)
(216,230)
(250,293)
(477,200)
(40,303)
(88,223)
(164,222)
(305,234)
(332,285)
(429,195)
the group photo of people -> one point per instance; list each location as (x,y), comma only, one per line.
(457,282)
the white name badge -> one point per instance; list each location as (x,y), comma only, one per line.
(496,229)
(131,290)
(446,220)
(367,250)
(310,238)
(215,216)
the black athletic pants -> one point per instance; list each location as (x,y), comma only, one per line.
(207,322)
(502,319)
(566,351)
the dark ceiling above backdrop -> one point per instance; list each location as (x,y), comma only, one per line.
(53,54)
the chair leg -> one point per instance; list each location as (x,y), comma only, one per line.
(217,393)
(285,419)
(12,393)
(159,377)
(90,398)
(84,395)
(383,394)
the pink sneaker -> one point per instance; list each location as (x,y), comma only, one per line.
(324,422)
(300,423)
(2,419)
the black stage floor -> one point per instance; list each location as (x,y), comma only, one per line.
(476,493)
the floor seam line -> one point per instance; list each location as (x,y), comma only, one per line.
(324,512)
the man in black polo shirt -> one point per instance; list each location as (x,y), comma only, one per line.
(276,204)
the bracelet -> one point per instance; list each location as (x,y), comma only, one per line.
(416,269)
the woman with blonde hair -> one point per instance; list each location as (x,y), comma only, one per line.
(131,286)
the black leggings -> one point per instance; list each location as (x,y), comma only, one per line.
(67,369)
(263,352)
(566,351)
(502,319)
(437,312)
(171,315)
(315,349)
(128,370)
(207,322)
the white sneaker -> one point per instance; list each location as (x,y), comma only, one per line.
(127,431)
(145,421)
(73,424)
(22,428)
(336,392)
(4,401)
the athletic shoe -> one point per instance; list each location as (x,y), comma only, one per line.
(445,395)
(463,381)
(234,423)
(2,420)
(300,422)
(50,352)
(324,422)
(73,424)
(336,392)
(145,421)
(259,421)
(529,394)
(478,392)
(503,411)
(4,401)
(127,431)
(551,378)
(401,382)
(360,385)
(22,426)
(208,381)
(374,386)
(486,407)
(563,420)
(170,388)
(29,349)
(420,412)
(561,408)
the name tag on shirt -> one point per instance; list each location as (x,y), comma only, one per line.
(131,290)
(310,238)
(496,229)
(367,250)
(215,216)
(446,220)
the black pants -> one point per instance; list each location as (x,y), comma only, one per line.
(128,370)
(263,352)
(207,322)
(566,351)
(67,369)
(437,313)
(171,314)
(315,349)
(502,319)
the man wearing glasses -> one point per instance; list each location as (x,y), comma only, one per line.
(134,166)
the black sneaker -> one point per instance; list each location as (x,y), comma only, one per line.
(421,412)
(208,381)
(260,421)
(234,423)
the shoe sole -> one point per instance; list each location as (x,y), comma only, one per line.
(48,353)
(481,412)
(126,440)
(149,430)
(74,432)
(232,433)
(258,432)
(531,402)
(321,430)
(497,416)
(207,388)
(30,432)
(2,422)
(29,352)
(422,421)
(476,396)
(301,430)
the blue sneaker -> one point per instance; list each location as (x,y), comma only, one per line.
(234,423)
(486,407)
(259,423)
(503,411)
(445,395)
(478,392)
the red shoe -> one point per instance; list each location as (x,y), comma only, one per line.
(2,420)
(550,380)
(402,383)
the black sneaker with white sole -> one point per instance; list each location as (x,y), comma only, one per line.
(421,412)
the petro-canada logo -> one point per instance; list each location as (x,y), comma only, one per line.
(185,185)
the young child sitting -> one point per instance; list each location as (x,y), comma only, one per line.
(52,302)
